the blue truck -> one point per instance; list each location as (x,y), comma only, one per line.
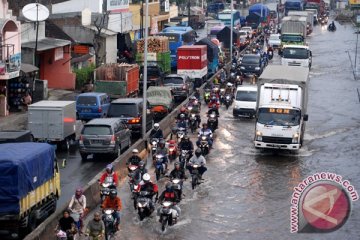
(294,5)
(212,55)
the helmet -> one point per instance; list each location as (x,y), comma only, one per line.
(109,167)
(182,116)
(146,177)
(229,85)
(113,193)
(198,152)
(141,164)
(135,151)
(182,109)
(186,138)
(156,126)
(176,164)
(168,187)
(78,191)
(162,141)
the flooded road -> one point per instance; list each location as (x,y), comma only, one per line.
(247,192)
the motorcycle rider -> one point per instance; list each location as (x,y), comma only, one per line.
(178,173)
(229,89)
(186,144)
(147,185)
(78,205)
(156,132)
(113,202)
(206,132)
(197,159)
(110,176)
(183,114)
(67,225)
(332,25)
(197,94)
(95,227)
(170,195)
(182,122)
(134,159)
(214,102)
(139,172)
(163,150)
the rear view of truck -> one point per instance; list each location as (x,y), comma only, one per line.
(29,187)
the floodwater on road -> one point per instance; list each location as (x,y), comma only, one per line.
(247,192)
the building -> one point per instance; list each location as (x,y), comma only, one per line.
(10,56)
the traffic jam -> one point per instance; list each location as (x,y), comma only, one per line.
(198,83)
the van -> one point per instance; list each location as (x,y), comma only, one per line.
(245,101)
(104,136)
(92,105)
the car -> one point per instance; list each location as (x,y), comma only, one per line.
(181,85)
(251,64)
(248,30)
(130,111)
(245,101)
(274,40)
(104,136)
(92,105)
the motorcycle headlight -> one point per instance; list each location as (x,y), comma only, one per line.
(140,205)
(242,67)
(295,138)
(257,68)
(203,138)
(227,97)
(258,136)
(193,115)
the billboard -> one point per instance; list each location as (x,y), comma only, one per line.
(115,6)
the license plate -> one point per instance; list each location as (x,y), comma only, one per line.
(86,110)
(97,141)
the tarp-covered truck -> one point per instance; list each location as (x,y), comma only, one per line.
(29,187)
(160,100)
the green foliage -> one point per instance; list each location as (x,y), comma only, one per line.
(84,75)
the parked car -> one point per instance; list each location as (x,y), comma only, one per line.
(181,85)
(104,136)
(130,111)
(92,105)
(274,40)
(251,64)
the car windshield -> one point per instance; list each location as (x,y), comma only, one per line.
(122,110)
(279,117)
(295,53)
(96,130)
(86,101)
(173,80)
(250,59)
(246,96)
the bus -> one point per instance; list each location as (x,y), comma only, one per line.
(225,17)
(178,36)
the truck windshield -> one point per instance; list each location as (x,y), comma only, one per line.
(86,101)
(292,38)
(279,117)
(96,130)
(173,80)
(246,96)
(122,110)
(295,53)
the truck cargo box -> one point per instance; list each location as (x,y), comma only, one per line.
(23,167)
(52,120)
(15,136)
(163,59)
(192,61)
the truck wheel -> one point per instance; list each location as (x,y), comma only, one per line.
(32,222)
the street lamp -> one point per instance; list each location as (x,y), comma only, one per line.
(145,107)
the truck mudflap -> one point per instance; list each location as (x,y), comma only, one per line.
(259,144)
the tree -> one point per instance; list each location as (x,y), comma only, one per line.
(100,24)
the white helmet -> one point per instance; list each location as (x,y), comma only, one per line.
(229,84)
(156,125)
(146,177)
(135,151)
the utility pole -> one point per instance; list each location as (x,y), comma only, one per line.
(231,30)
(142,20)
(145,106)
(188,13)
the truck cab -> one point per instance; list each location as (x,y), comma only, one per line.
(296,55)
(155,75)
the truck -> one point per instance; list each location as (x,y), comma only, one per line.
(162,59)
(281,109)
(294,5)
(213,23)
(192,61)
(29,187)
(12,136)
(309,19)
(117,80)
(53,122)
(296,55)
(293,30)
(212,55)
(155,75)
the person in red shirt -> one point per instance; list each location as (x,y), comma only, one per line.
(110,176)
(113,202)
(147,185)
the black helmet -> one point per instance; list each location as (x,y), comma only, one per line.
(113,193)
(186,138)
(198,152)
(162,142)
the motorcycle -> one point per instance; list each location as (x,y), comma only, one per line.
(177,186)
(109,222)
(154,142)
(207,96)
(172,149)
(133,183)
(228,100)
(166,215)
(193,122)
(180,133)
(195,176)
(331,28)
(212,122)
(184,158)
(159,166)
(105,189)
(143,203)
(204,145)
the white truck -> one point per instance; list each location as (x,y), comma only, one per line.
(281,107)
(309,18)
(53,122)
(296,55)
(293,30)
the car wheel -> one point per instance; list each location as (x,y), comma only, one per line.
(83,156)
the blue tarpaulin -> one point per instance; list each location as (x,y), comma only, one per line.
(258,8)
(23,168)
(212,48)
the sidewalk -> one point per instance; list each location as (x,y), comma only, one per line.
(18,120)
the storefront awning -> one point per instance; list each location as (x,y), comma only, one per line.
(160,18)
(46,44)
(26,68)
